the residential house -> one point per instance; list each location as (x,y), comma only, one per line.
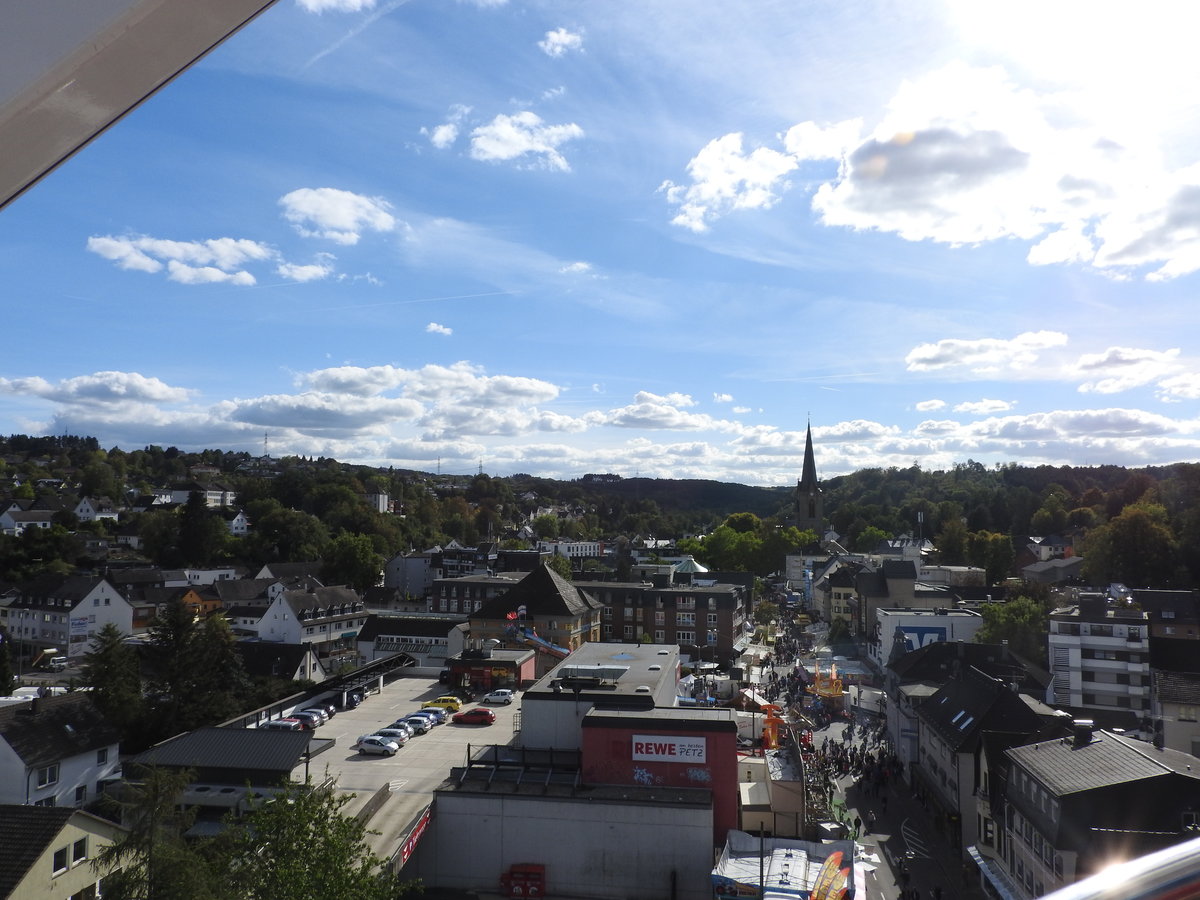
(215,495)
(464,594)
(237,522)
(1173,614)
(918,627)
(16,522)
(413,573)
(1075,806)
(894,584)
(1100,657)
(427,641)
(55,751)
(1175,695)
(47,853)
(329,618)
(1054,571)
(951,725)
(912,677)
(291,570)
(96,509)
(291,662)
(542,610)
(67,611)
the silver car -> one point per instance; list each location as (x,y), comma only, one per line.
(376,744)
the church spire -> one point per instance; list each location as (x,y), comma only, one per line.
(809,510)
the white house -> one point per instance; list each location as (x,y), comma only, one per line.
(92,509)
(55,751)
(67,611)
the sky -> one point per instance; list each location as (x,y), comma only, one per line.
(644,238)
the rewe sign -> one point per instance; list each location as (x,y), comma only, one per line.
(668,748)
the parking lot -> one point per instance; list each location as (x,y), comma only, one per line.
(420,766)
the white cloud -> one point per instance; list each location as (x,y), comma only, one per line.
(97,388)
(323,268)
(320,6)
(742,410)
(984,355)
(123,252)
(559,41)
(1122,368)
(314,411)
(187,262)
(725,178)
(435,328)
(511,137)
(1180,387)
(930,405)
(185,274)
(444,135)
(722,398)
(984,407)
(576,268)
(964,155)
(335,215)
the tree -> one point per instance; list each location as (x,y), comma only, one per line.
(561,565)
(351,559)
(766,612)
(202,532)
(952,543)
(110,669)
(1022,621)
(152,860)
(869,538)
(1137,548)
(546,527)
(301,844)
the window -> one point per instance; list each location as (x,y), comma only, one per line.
(659,637)
(79,851)
(60,861)
(80,794)
(88,893)
(685,637)
(628,631)
(1102,631)
(607,630)
(47,775)
(48,801)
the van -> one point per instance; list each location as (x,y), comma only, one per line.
(57,664)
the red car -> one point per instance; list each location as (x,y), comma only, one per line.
(477,716)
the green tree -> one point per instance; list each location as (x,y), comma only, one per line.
(869,538)
(202,532)
(152,860)
(561,565)
(1137,548)
(300,844)
(1022,621)
(952,543)
(546,527)
(110,669)
(351,559)
(766,612)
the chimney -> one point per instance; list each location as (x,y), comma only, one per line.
(1083,729)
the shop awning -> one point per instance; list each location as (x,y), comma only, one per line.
(1000,882)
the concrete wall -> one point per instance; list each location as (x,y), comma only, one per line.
(606,851)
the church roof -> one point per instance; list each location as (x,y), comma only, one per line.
(808,476)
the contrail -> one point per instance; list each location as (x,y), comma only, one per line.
(355,32)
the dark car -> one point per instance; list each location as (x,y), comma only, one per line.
(478,716)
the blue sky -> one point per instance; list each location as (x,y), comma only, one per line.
(643,238)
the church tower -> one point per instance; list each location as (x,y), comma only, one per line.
(807,496)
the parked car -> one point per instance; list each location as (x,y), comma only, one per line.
(451,703)
(500,695)
(325,706)
(401,725)
(399,735)
(370,743)
(352,700)
(419,724)
(434,715)
(317,711)
(282,725)
(480,715)
(311,720)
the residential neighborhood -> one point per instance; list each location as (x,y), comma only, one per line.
(1036,730)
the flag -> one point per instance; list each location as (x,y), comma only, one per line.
(521,610)
(511,615)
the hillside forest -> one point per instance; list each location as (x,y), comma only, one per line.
(1137,526)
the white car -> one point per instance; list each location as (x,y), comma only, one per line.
(500,695)
(377,744)
(399,735)
(419,724)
